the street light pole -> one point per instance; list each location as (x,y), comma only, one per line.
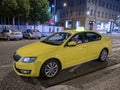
(54,13)
(96,14)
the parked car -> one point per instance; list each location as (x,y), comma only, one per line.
(11,34)
(60,50)
(29,33)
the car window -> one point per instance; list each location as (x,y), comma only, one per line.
(4,31)
(56,38)
(14,30)
(90,36)
(78,38)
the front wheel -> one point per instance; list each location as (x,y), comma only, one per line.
(103,55)
(50,69)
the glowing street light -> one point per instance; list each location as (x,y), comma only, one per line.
(64,4)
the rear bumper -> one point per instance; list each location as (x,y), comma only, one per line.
(16,36)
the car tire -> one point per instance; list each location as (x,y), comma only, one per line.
(8,38)
(29,37)
(50,69)
(103,55)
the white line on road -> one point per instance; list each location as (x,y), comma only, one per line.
(116,45)
(4,66)
(115,49)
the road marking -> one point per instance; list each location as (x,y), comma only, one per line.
(4,66)
(115,49)
(116,45)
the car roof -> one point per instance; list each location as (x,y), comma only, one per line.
(75,31)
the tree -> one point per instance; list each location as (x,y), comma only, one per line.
(39,11)
(7,7)
(35,10)
(14,8)
(23,7)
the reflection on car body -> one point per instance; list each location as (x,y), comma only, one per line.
(58,51)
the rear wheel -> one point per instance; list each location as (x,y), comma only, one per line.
(50,69)
(8,38)
(103,55)
(29,37)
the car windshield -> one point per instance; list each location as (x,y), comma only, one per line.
(14,30)
(56,38)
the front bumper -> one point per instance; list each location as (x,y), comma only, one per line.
(27,69)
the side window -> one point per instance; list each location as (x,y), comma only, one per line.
(5,31)
(92,36)
(78,38)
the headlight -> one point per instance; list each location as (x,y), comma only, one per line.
(28,59)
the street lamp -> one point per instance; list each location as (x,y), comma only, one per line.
(54,13)
(54,10)
(64,4)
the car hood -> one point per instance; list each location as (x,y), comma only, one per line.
(36,49)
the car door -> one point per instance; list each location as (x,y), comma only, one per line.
(74,54)
(93,42)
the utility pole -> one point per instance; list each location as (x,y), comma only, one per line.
(96,4)
(54,13)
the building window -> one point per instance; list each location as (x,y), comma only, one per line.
(67,13)
(99,2)
(110,6)
(91,12)
(105,15)
(98,13)
(79,12)
(116,8)
(94,13)
(102,15)
(113,16)
(113,7)
(89,1)
(71,13)
(103,4)
(107,5)
(109,15)
(92,1)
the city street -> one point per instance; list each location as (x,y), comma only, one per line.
(93,75)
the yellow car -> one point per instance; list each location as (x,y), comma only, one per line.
(60,50)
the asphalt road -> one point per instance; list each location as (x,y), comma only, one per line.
(93,75)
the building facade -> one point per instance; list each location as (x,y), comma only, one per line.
(90,14)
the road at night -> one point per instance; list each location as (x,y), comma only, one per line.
(93,75)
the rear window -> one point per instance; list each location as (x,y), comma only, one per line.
(91,36)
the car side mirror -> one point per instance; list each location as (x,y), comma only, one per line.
(71,43)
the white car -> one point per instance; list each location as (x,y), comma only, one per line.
(29,33)
(11,34)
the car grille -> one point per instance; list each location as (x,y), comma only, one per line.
(16,57)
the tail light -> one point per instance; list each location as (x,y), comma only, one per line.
(11,33)
(31,32)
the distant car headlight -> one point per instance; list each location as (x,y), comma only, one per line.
(28,59)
